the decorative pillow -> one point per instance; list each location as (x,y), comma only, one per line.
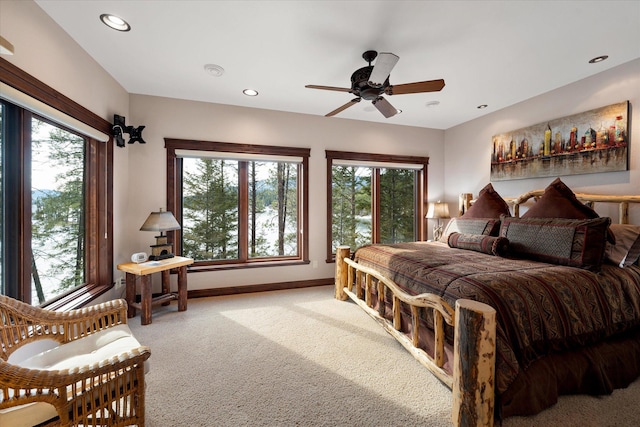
(577,243)
(558,201)
(488,205)
(485,226)
(491,245)
(626,250)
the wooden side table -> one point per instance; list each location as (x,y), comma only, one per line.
(144,271)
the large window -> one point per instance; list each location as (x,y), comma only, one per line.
(55,193)
(238,204)
(373,198)
(57,211)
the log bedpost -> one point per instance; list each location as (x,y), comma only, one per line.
(464,202)
(342,271)
(474,364)
(623,213)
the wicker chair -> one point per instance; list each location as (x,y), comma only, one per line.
(80,367)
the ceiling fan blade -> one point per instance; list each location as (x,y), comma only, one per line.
(384,64)
(417,87)
(344,107)
(385,107)
(339,89)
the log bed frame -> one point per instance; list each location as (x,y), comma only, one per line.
(474,323)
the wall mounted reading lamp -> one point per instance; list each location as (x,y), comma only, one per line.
(119,127)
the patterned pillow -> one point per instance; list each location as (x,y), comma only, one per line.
(491,245)
(558,201)
(577,243)
(484,226)
(626,251)
(488,205)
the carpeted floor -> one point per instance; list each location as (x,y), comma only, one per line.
(302,358)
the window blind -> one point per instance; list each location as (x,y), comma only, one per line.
(370,164)
(14,96)
(247,157)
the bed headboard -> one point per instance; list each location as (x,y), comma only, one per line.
(465,200)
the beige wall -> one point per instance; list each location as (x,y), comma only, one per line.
(469,174)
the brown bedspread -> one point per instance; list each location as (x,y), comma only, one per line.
(542,309)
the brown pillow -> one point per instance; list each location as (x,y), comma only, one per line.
(491,245)
(558,201)
(573,242)
(488,205)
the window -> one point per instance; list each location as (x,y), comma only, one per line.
(238,204)
(374,198)
(55,191)
(57,211)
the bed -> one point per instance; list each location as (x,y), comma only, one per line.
(512,311)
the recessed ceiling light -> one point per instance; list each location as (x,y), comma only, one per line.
(432,103)
(114,22)
(598,59)
(250,92)
(482,106)
(214,70)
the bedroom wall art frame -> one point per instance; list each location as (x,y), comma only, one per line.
(594,141)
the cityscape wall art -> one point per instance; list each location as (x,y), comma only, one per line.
(594,141)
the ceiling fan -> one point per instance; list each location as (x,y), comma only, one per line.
(371,82)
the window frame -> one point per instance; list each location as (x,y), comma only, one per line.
(99,196)
(377,161)
(174,200)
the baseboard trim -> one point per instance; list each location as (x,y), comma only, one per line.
(234,290)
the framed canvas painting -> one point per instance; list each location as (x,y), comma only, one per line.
(594,141)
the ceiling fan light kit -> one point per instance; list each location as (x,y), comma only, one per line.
(372,81)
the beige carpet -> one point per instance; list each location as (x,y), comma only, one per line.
(302,358)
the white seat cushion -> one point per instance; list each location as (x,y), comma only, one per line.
(93,348)
(90,349)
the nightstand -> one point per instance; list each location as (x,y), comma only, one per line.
(144,271)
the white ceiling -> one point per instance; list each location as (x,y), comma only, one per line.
(488,52)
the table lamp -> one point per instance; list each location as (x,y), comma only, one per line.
(160,221)
(436,211)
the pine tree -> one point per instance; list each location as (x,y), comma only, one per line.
(210,210)
(397,204)
(58,213)
(280,196)
(351,206)
(258,242)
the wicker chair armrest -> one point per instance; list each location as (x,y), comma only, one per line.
(29,323)
(16,377)
(116,307)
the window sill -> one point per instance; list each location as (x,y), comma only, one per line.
(77,298)
(203,266)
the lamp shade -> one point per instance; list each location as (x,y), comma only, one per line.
(438,210)
(160,221)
